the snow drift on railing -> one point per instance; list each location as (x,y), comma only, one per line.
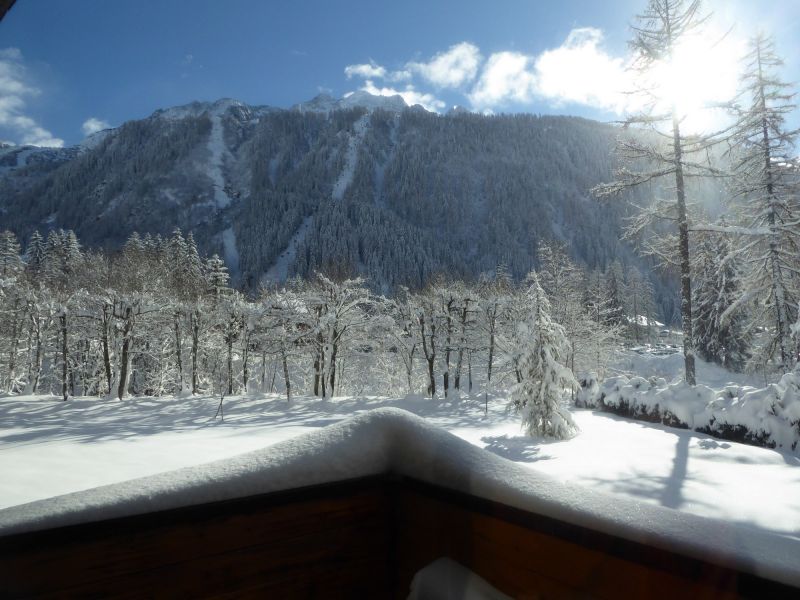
(390,440)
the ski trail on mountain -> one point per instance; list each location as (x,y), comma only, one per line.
(230,250)
(279,271)
(351,158)
(218,150)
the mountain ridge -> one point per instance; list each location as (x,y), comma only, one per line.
(362,185)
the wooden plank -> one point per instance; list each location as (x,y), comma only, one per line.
(362,538)
(290,549)
(524,554)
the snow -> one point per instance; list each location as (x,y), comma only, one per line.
(448,580)
(644,321)
(230,250)
(196,109)
(724,400)
(95,139)
(218,151)
(25,155)
(325,103)
(80,460)
(364,99)
(666,361)
(389,440)
(351,157)
(279,271)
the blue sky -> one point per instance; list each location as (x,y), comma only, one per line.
(67,68)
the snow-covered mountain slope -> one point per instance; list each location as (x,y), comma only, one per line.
(375,188)
(326,103)
(17,157)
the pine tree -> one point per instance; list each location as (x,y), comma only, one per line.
(766,180)
(192,265)
(720,333)
(34,253)
(542,350)
(216,276)
(176,249)
(615,309)
(10,259)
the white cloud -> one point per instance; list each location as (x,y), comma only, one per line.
(367,71)
(15,89)
(451,69)
(373,70)
(409,94)
(506,77)
(93,125)
(580,71)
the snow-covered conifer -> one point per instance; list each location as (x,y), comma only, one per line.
(216,276)
(541,353)
(718,339)
(10,259)
(34,253)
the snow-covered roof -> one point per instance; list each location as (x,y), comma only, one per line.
(391,440)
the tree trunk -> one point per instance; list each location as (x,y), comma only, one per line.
(245,358)
(230,365)
(264,371)
(683,244)
(104,326)
(410,370)
(286,379)
(334,351)
(124,367)
(195,349)
(446,375)
(491,351)
(462,343)
(14,349)
(63,320)
(469,370)
(322,379)
(430,353)
(316,373)
(178,353)
(37,358)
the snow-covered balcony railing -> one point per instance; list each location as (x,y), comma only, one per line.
(360,506)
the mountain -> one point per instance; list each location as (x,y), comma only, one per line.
(362,185)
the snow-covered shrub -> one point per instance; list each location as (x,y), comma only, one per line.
(767,416)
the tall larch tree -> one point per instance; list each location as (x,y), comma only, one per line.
(766,179)
(660,149)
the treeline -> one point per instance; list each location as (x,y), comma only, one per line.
(157,318)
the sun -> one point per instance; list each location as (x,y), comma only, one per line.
(700,76)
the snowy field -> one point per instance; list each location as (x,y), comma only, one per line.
(48,448)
